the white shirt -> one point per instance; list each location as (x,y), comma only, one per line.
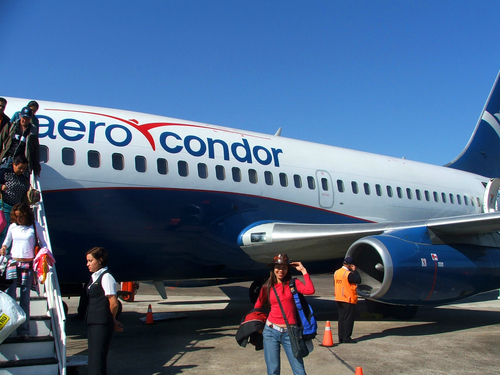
(23,241)
(108,282)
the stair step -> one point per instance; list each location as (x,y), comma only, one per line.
(42,366)
(38,306)
(15,348)
(39,326)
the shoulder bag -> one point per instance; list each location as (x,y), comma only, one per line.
(297,342)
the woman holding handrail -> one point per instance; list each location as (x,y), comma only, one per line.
(23,234)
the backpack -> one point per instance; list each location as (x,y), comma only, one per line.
(306,313)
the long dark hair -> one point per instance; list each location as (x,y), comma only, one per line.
(268,285)
(25,211)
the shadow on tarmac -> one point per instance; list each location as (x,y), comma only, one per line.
(164,347)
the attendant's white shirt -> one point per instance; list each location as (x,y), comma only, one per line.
(23,241)
(108,282)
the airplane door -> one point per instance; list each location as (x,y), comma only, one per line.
(325,189)
(490,199)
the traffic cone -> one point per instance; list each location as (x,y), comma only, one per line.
(328,338)
(149,316)
(359,371)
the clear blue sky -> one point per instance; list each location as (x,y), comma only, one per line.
(401,78)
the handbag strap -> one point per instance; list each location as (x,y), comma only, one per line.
(281,307)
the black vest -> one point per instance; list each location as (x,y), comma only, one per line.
(98,311)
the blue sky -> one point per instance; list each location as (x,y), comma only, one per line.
(401,78)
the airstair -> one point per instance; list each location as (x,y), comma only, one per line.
(44,352)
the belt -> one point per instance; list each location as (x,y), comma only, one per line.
(275,327)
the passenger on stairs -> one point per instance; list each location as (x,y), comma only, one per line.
(13,185)
(23,237)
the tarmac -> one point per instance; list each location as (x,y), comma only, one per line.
(462,338)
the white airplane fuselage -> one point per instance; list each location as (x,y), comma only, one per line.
(168,198)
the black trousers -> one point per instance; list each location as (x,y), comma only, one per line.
(99,338)
(346,320)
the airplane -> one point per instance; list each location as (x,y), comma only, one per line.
(176,200)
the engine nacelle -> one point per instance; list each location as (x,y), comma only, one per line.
(397,270)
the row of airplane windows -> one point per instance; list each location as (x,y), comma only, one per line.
(118,163)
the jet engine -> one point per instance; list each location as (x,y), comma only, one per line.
(404,269)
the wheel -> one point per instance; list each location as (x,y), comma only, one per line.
(254,291)
(120,307)
(65,308)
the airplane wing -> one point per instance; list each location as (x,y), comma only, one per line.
(313,242)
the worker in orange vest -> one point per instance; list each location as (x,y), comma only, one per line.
(345,281)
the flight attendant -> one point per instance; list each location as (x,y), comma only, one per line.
(101,311)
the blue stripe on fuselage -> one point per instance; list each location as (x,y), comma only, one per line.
(155,234)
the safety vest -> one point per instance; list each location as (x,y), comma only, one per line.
(344,292)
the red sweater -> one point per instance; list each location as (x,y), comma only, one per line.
(286,298)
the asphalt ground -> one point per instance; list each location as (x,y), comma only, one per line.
(455,339)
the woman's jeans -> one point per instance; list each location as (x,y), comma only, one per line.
(23,329)
(272,341)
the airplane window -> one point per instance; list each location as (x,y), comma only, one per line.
(268,176)
(311,182)
(220,172)
(44,154)
(252,176)
(427,195)
(459,199)
(378,189)
(93,159)
(340,186)
(478,202)
(162,166)
(443,196)
(68,156)
(236,174)
(419,194)
(367,188)
(182,168)
(324,184)
(389,191)
(297,181)
(117,161)
(399,192)
(202,170)
(354,186)
(283,180)
(140,164)
(408,193)
(472,201)
(452,201)
(436,196)
(466,200)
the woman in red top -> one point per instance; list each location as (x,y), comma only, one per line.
(275,331)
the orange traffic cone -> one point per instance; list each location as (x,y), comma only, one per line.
(149,316)
(359,371)
(327,338)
